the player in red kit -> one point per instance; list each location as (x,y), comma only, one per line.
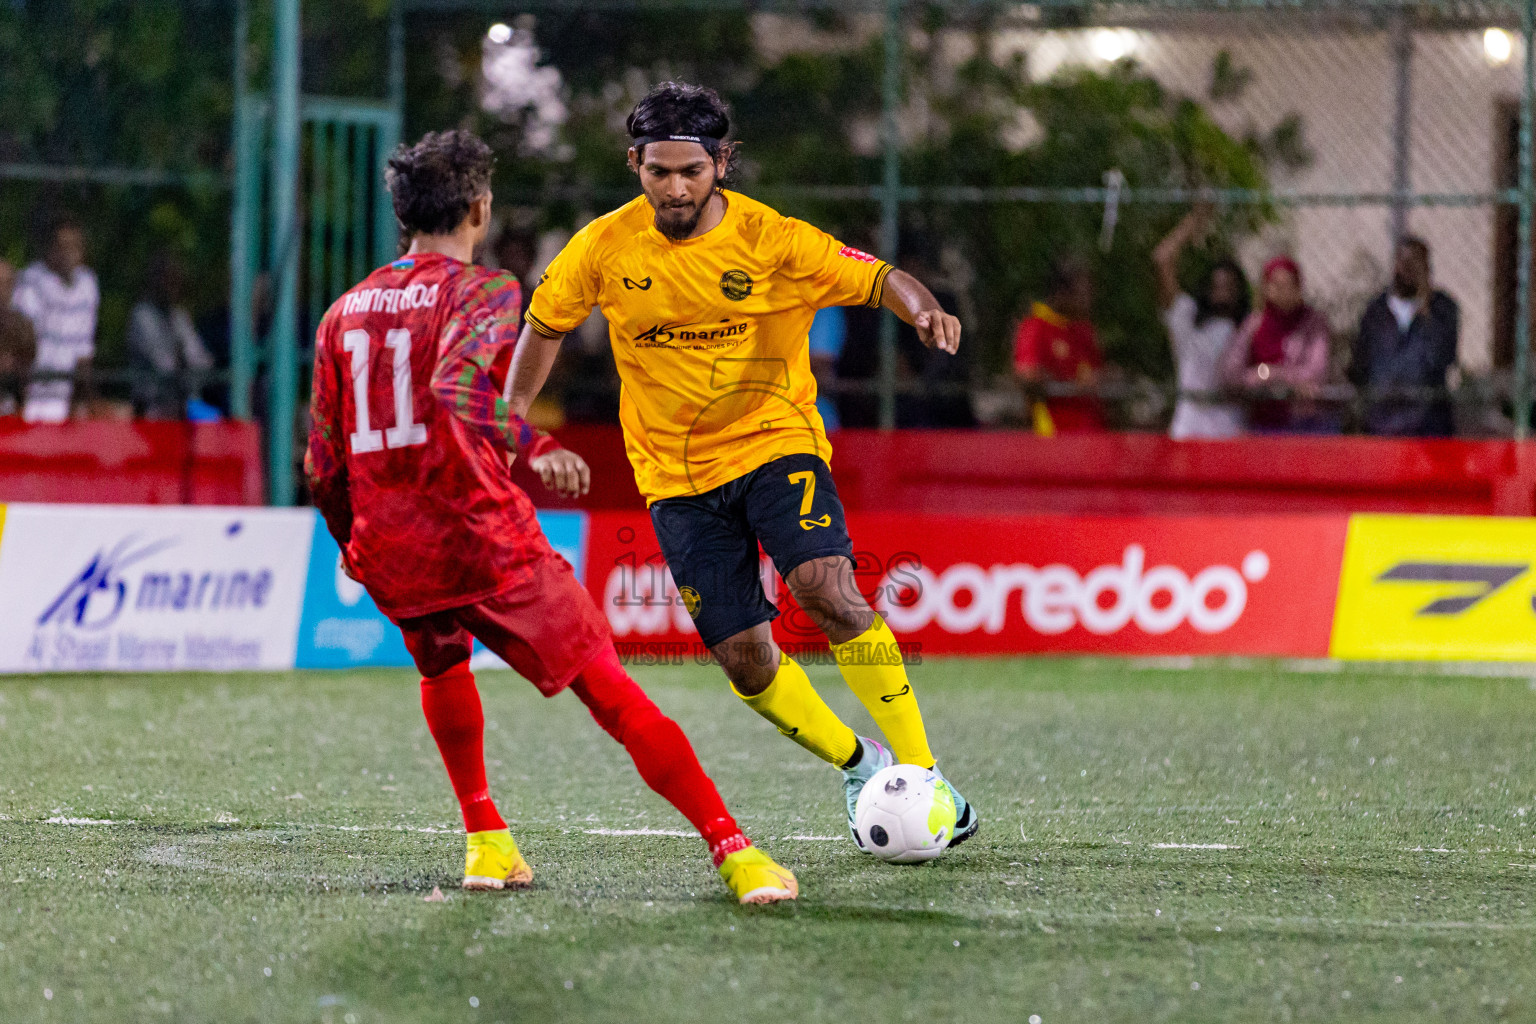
(407,462)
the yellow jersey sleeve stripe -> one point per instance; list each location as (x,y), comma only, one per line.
(877,290)
(541,327)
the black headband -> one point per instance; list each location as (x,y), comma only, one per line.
(711,145)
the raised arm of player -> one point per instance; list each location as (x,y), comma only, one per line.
(911,300)
(325,460)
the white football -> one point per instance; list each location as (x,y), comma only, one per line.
(905,814)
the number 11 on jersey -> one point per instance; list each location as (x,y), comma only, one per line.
(406,432)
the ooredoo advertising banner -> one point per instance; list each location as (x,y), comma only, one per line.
(122,588)
(994,585)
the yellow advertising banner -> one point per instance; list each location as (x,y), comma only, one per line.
(1437,588)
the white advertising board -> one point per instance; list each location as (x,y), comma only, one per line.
(124,588)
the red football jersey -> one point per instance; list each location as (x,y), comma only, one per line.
(1064,351)
(407,452)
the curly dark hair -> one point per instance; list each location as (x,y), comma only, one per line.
(677,108)
(434,181)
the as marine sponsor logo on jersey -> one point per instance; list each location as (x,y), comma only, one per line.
(389,300)
(691,335)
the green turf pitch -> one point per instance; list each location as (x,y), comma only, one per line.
(1212,842)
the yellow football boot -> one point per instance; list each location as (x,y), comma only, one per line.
(753,876)
(492,861)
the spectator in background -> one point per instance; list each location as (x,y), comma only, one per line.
(165,352)
(1407,340)
(60,296)
(829,332)
(1200,327)
(943,398)
(18,346)
(1056,345)
(931,386)
(1283,346)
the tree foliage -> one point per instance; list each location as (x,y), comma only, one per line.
(148,84)
(811,117)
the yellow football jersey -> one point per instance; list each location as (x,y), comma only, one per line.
(710,334)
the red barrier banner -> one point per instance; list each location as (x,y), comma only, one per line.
(1261,585)
(144,462)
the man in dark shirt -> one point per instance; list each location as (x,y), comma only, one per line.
(18,346)
(1407,340)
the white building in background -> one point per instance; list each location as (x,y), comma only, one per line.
(1341,78)
(1342,83)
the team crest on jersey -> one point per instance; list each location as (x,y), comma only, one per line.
(857,254)
(691,600)
(735,284)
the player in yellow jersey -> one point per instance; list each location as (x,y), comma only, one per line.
(709,297)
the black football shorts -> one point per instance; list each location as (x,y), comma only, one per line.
(710,540)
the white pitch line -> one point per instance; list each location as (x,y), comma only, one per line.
(1194,846)
(1171,919)
(429,830)
(1259,811)
(304,826)
(1314,666)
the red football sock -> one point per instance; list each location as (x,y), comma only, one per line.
(452,706)
(660,751)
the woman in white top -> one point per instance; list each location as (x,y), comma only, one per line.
(1200,328)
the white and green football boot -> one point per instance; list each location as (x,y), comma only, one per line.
(874,758)
(967,821)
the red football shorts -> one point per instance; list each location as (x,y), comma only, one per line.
(547,627)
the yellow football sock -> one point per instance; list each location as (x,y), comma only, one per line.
(872,666)
(798,711)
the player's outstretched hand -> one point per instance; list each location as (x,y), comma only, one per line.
(564,472)
(937,329)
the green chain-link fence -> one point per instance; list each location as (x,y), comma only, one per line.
(981,140)
(974,140)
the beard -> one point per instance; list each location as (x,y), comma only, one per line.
(678,220)
(1403,287)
